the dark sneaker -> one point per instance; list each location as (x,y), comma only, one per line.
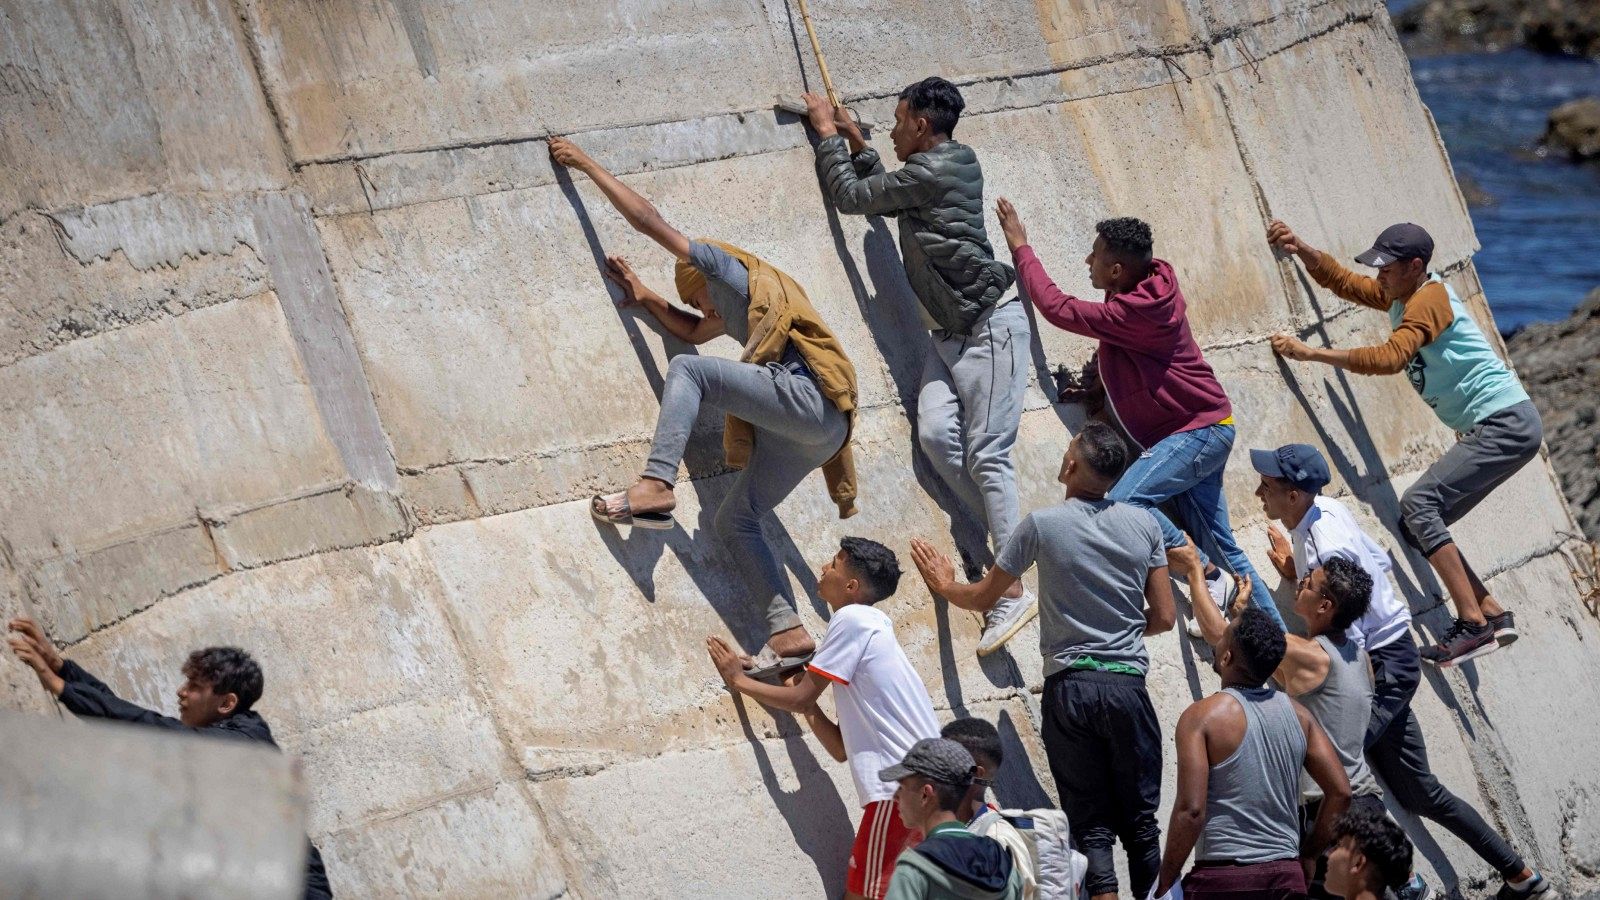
(1462,642)
(1415,889)
(1538,887)
(1505,628)
(1005,619)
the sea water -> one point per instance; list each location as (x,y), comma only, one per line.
(1537,216)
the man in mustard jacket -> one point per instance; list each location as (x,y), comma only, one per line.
(790,400)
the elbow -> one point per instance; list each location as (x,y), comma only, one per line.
(1189,814)
(1161,621)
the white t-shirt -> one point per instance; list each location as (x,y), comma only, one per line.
(1329,530)
(883,706)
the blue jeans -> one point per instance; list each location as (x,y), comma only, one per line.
(1186,469)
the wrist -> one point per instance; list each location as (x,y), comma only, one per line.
(826,130)
(54,684)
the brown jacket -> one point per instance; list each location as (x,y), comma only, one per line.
(1427,315)
(781,314)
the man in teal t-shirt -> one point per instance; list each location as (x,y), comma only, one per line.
(1452,365)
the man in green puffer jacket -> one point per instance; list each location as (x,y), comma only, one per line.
(969,405)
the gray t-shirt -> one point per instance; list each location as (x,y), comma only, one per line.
(1093,559)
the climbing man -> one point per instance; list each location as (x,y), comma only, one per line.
(1158,385)
(970,403)
(220,687)
(1326,671)
(1455,369)
(790,401)
(1103,580)
(1241,752)
(882,704)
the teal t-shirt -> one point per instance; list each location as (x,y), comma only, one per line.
(1458,373)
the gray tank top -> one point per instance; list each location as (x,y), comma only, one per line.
(1342,705)
(1253,798)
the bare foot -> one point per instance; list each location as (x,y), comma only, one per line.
(794,641)
(646,496)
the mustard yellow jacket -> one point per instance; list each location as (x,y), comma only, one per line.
(781,314)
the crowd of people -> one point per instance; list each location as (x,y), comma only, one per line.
(1280,774)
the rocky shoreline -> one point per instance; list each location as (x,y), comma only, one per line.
(1560,365)
(1567,27)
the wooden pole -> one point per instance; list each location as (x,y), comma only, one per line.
(816,48)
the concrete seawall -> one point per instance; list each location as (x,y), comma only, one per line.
(304,348)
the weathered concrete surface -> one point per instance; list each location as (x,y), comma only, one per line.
(122,812)
(305,348)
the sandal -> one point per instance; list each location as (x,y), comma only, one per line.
(600,508)
(769,666)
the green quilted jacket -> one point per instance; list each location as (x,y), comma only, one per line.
(937,196)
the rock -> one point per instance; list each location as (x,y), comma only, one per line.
(1568,27)
(1574,129)
(1560,364)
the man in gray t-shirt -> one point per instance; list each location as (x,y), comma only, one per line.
(1102,587)
(1094,557)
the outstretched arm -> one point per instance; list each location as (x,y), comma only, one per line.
(681,324)
(860,186)
(639,212)
(1102,321)
(79,691)
(1185,561)
(940,576)
(798,698)
(1326,271)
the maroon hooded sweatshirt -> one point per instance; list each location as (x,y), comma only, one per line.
(1158,382)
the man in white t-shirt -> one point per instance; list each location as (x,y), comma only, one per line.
(882,705)
(1320,528)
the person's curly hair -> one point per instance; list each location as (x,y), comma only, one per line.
(1259,642)
(875,564)
(1128,239)
(228,670)
(1350,588)
(1381,841)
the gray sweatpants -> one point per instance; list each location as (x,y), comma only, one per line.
(797,430)
(1480,462)
(968,412)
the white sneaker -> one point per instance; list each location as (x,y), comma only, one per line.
(1223,590)
(1002,622)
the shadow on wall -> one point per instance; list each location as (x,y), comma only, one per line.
(817,818)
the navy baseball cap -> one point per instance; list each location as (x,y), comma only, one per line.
(1403,241)
(1301,465)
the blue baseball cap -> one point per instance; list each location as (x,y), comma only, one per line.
(1301,465)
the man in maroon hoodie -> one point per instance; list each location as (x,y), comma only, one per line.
(1159,386)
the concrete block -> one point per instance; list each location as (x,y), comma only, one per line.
(1342,146)
(487,843)
(356,80)
(126,100)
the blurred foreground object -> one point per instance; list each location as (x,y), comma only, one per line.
(91,811)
